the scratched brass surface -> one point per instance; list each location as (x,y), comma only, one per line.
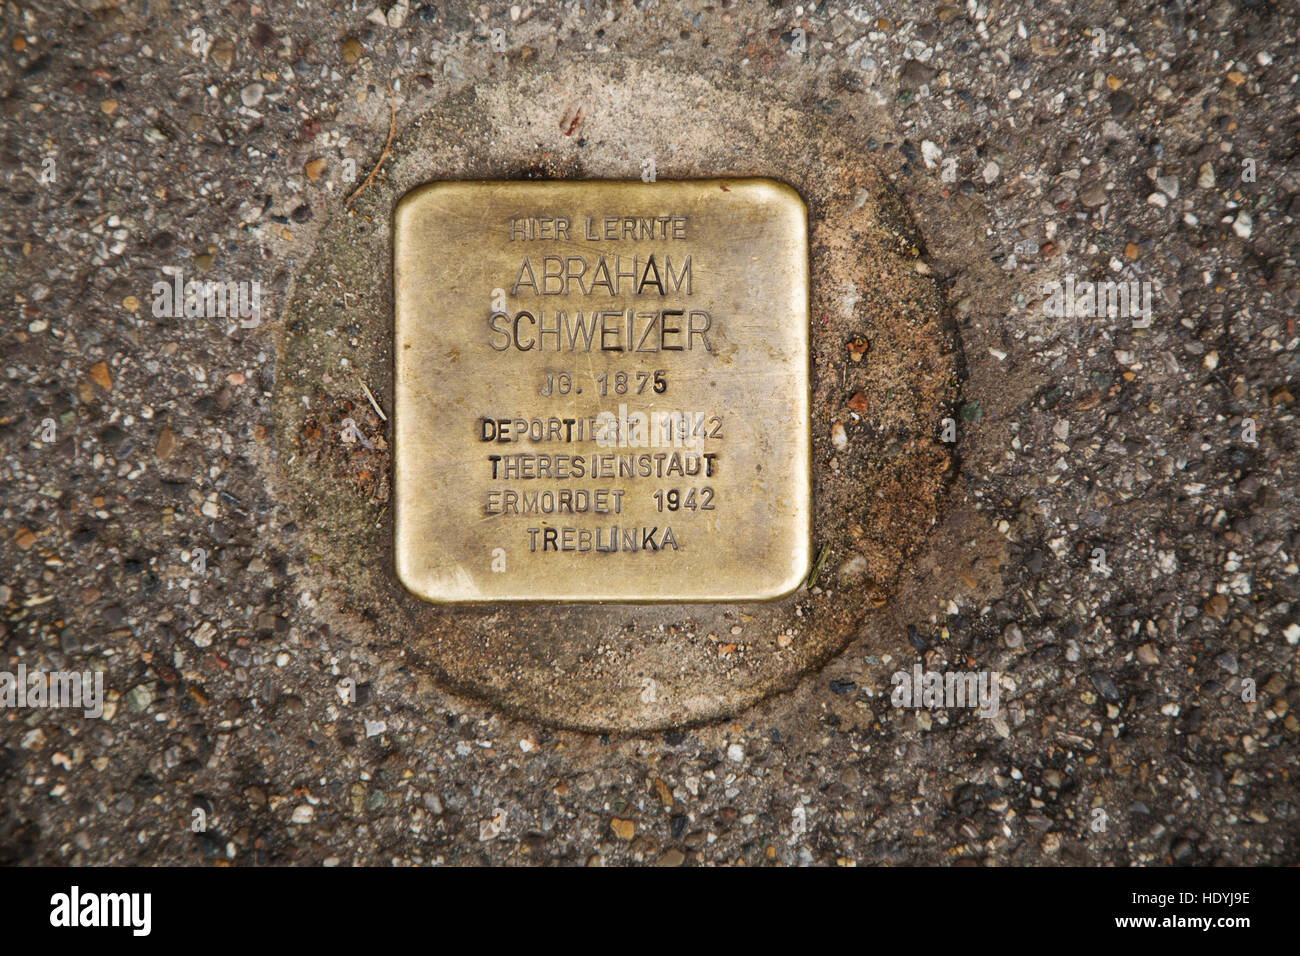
(483,273)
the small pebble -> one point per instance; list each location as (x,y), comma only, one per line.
(839,436)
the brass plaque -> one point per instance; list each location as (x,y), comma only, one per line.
(601,391)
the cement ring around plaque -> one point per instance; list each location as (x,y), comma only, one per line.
(662,649)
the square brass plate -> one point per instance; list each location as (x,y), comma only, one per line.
(601,391)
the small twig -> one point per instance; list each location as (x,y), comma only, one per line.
(816,572)
(392,128)
(1029,602)
(379,411)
